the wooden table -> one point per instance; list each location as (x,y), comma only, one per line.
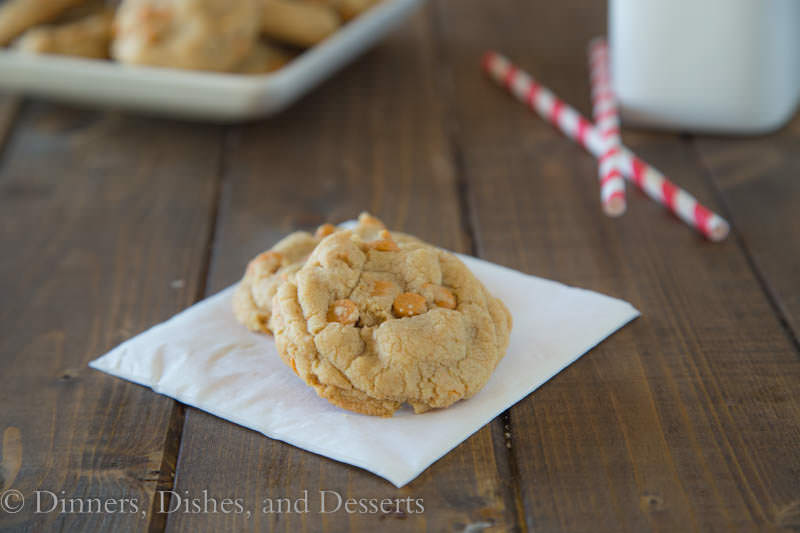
(687,419)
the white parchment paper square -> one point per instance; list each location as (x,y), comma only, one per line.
(204,358)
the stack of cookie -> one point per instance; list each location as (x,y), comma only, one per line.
(373,319)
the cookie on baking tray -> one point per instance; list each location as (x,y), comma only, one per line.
(373,323)
(252,301)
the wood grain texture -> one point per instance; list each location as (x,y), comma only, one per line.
(9,105)
(371,139)
(759,184)
(685,419)
(99,214)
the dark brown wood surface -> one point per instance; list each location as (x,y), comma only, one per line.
(752,180)
(686,419)
(105,222)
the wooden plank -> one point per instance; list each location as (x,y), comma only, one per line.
(9,105)
(758,183)
(104,225)
(371,139)
(689,418)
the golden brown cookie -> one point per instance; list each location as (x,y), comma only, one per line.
(349,9)
(16,16)
(190,34)
(373,326)
(252,301)
(298,22)
(86,37)
(262,59)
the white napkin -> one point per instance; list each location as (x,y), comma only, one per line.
(204,358)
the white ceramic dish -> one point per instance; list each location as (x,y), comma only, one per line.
(193,94)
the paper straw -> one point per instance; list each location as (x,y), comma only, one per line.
(606,120)
(576,127)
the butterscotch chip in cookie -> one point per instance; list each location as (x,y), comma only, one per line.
(441,296)
(382,288)
(384,243)
(343,311)
(409,304)
(267,262)
(324,230)
(365,219)
(403,348)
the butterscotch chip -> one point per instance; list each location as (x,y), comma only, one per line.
(409,304)
(269,262)
(324,230)
(365,219)
(385,242)
(442,297)
(404,348)
(382,288)
(344,312)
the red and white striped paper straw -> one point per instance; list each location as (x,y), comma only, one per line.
(606,120)
(576,127)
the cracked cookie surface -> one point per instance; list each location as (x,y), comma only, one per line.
(252,301)
(373,324)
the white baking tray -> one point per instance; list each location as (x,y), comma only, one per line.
(194,94)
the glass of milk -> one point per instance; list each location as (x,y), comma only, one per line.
(729,66)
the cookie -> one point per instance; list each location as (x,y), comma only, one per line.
(373,324)
(86,37)
(298,23)
(262,59)
(252,301)
(16,16)
(191,34)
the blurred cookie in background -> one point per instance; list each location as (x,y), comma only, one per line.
(89,36)
(16,16)
(263,58)
(191,34)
